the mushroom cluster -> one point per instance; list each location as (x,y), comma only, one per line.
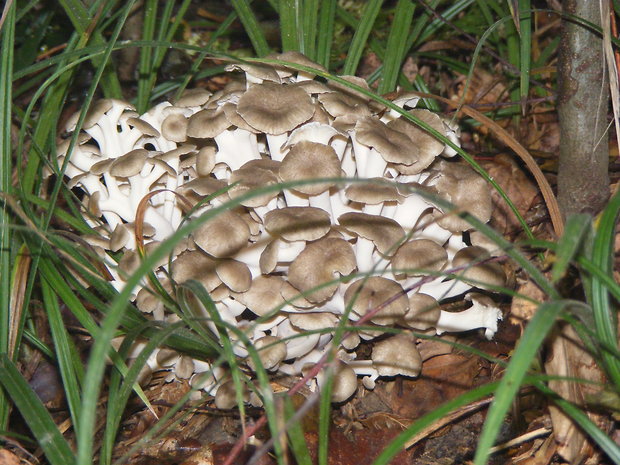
(284,264)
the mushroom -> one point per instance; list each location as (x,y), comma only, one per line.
(397,355)
(279,265)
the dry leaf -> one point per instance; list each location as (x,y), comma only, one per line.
(568,358)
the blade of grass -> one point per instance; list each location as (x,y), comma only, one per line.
(309,16)
(605,317)
(145,67)
(533,337)
(604,440)
(427,420)
(575,229)
(84,23)
(525,42)
(289,27)
(251,26)
(67,356)
(395,48)
(299,446)
(327,18)
(37,418)
(6,71)
(360,38)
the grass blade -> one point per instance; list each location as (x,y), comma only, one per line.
(252,28)
(6,72)
(69,362)
(574,231)
(525,31)
(327,18)
(39,421)
(289,27)
(395,48)
(529,344)
(605,318)
(360,38)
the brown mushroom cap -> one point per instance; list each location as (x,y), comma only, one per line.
(479,274)
(367,294)
(318,264)
(394,146)
(397,355)
(373,192)
(144,127)
(258,71)
(195,265)
(129,164)
(419,254)
(275,109)
(222,236)
(174,127)
(253,175)
(426,146)
(311,321)
(264,295)
(234,274)
(207,124)
(307,161)
(345,382)
(271,351)
(193,98)
(297,223)
(466,189)
(423,313)
(385,233)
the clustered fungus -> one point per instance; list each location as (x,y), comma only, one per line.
(274,264)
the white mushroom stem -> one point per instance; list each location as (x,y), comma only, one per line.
(441,289)
(347,161)
(455,244)
(477,316)
(365,368)
(276,144)
(298,343)
(236,147)
(322,201)
(363,252)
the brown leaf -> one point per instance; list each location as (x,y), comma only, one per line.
(521,191)
(569,359)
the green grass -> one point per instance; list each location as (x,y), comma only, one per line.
(38,262)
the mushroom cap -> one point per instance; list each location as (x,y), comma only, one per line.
(337,105)
(384,232)
(207,124)
(397,355)
(257,71)
(466,189)
(223,235)
(311,321)
(226,395)
(205,160)
(264,295)
(234,274)
(275,109)
(366,294)
(129,164)
(394,146)
(426,146)
(195,265)
(479,274)
(423,313)
(345,382)
(174,127)
(144,127)
(193,98)
(271,351)
(297,223)
(318,264)
(372,192)
(418,254)
(253,175)
(307,161)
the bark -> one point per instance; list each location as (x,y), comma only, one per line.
(583,180)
